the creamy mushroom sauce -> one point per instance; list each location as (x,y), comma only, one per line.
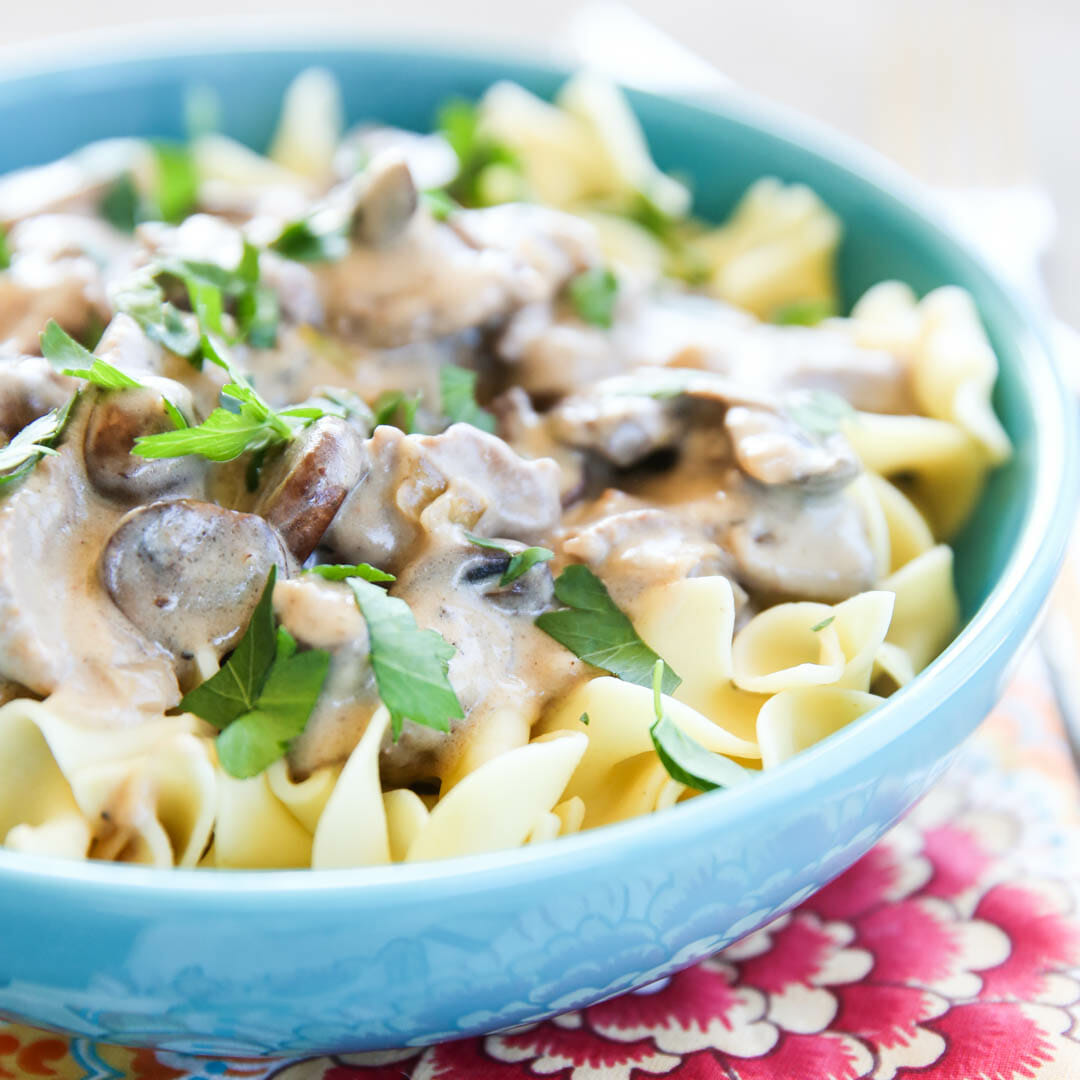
(125,581)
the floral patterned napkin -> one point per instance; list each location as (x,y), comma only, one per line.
(950,952)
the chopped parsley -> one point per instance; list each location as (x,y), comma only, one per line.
(61,349)
(592,294)
(440,204)
(804,312)
(30,445)
(120,205)
(340,572)
(173,197)
(64,353)
(263,695)
(176,181)
(396,408)
(243,422)
(519,563)
(823,624)
(480,157)
(214,289)
(310,240)
(410,664)
(684,758)
(596,631)
(5,251)
(142,298)
(346,404)
(457,388)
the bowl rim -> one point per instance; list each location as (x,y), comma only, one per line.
(1028,574)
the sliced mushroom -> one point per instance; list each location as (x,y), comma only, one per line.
(60,633)
(305,488)
(385,203)
(117,419)
(772,449)
(482,569)
(793,545)
(188,574)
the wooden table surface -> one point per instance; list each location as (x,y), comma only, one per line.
(962,92)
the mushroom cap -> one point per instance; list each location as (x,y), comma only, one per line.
(189,574)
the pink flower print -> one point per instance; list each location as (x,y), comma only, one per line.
(1043,941)
(698,1009)
(999,1042)
(923,943)
(565,1046)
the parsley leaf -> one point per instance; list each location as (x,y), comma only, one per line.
(439,203)
(684,758)
(263,695)
(410,664)
(823,624)
(457,389)
(257,316)
(340,572)
(101,373)
(390,403)
(59,348)
(819,412)
(213,289)
(594,629)
(479,155)
(243,422)
(31,444)
(306,241)
(142,299)
(254,741)
(222,436)
(804,312)
(335,401)
(592,293)
(119,205)
(234,689)
(176,184)
(521,562)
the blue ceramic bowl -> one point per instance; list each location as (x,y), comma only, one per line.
(287,962)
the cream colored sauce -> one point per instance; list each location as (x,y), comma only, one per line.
(644,490)
(60,634)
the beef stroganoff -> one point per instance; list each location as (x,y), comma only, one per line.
(397,496)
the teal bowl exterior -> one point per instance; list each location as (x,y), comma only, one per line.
(290,962)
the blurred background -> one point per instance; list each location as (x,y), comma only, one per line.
(973,96)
